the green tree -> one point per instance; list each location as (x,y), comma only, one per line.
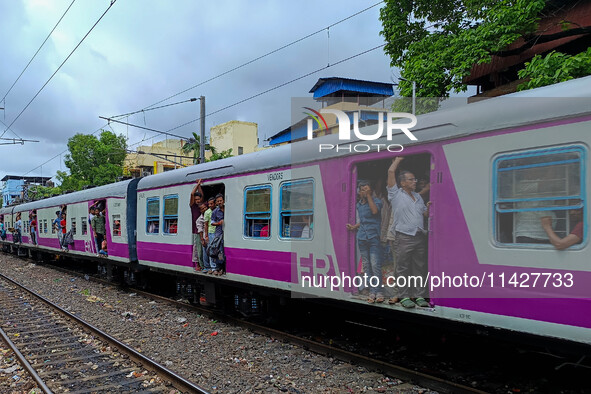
(220,155)
(553,68)
(93,161)
(37,192)
(436,42)
(193,146)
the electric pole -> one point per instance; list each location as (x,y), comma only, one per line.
(202,144)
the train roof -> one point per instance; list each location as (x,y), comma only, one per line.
(560,101)
(550,103)
(118,189)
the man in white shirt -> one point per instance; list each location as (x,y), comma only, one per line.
(408,210)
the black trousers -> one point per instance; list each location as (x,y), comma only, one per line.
(99,241)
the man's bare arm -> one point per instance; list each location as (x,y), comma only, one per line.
(392,171)
(196,189)
(559,243)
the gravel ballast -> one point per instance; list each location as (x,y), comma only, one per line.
(214,355)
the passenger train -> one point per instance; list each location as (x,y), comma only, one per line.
(488,163)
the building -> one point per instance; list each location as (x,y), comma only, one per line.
(366,98)
(15,188)
(160,157)
(241,137)
(564,28)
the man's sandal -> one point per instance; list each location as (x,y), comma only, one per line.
(407,303)
(422,303)
(372,298)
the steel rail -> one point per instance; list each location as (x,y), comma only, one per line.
(25,364)
(392,370)
(422,379)
(178,381)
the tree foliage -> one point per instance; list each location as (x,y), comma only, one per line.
(220,155)
(436,42)
(93,161)
(38,192)
(193,145)
(555,67)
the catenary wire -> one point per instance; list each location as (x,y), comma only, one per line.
(60,66)
(10,130)
(267,54)
(279,86)
(246,99)
(167,132)
(152,109)
(225,73)
(41,46)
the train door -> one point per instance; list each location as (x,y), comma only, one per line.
(373,175)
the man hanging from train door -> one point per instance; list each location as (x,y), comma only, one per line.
(408,210)
(217,220)
(56,226)
(195,199)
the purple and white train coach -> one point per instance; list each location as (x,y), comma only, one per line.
(495,167)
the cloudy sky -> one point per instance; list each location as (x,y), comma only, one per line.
(144,51)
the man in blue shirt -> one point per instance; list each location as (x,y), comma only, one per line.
(217,220)
(368,239)
(57,226)
(410,245)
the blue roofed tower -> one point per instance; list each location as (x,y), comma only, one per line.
(348,95)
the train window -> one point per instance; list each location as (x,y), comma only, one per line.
(257,212)
(84,223)
(171,214)
(73,227)
(297,209)
(535,184)
(153,215)
(116,225)
(45,226)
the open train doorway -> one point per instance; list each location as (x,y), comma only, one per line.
(381,239)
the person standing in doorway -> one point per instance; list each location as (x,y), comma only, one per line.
(408,210)
(63,244)
(368,238)
(208,235)
(195,200)
(98,227)
(217,220)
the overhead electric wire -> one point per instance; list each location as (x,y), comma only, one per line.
(152,109)
(167,132)
(64,62)
(12,131)
(278,86)
(230,71)
(142,127)
(61,153)
(266,54)
(43,43)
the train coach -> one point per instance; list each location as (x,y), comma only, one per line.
(118,201)
(490,165)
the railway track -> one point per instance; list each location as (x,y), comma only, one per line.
(397,371)
(443,372)
(63,353)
